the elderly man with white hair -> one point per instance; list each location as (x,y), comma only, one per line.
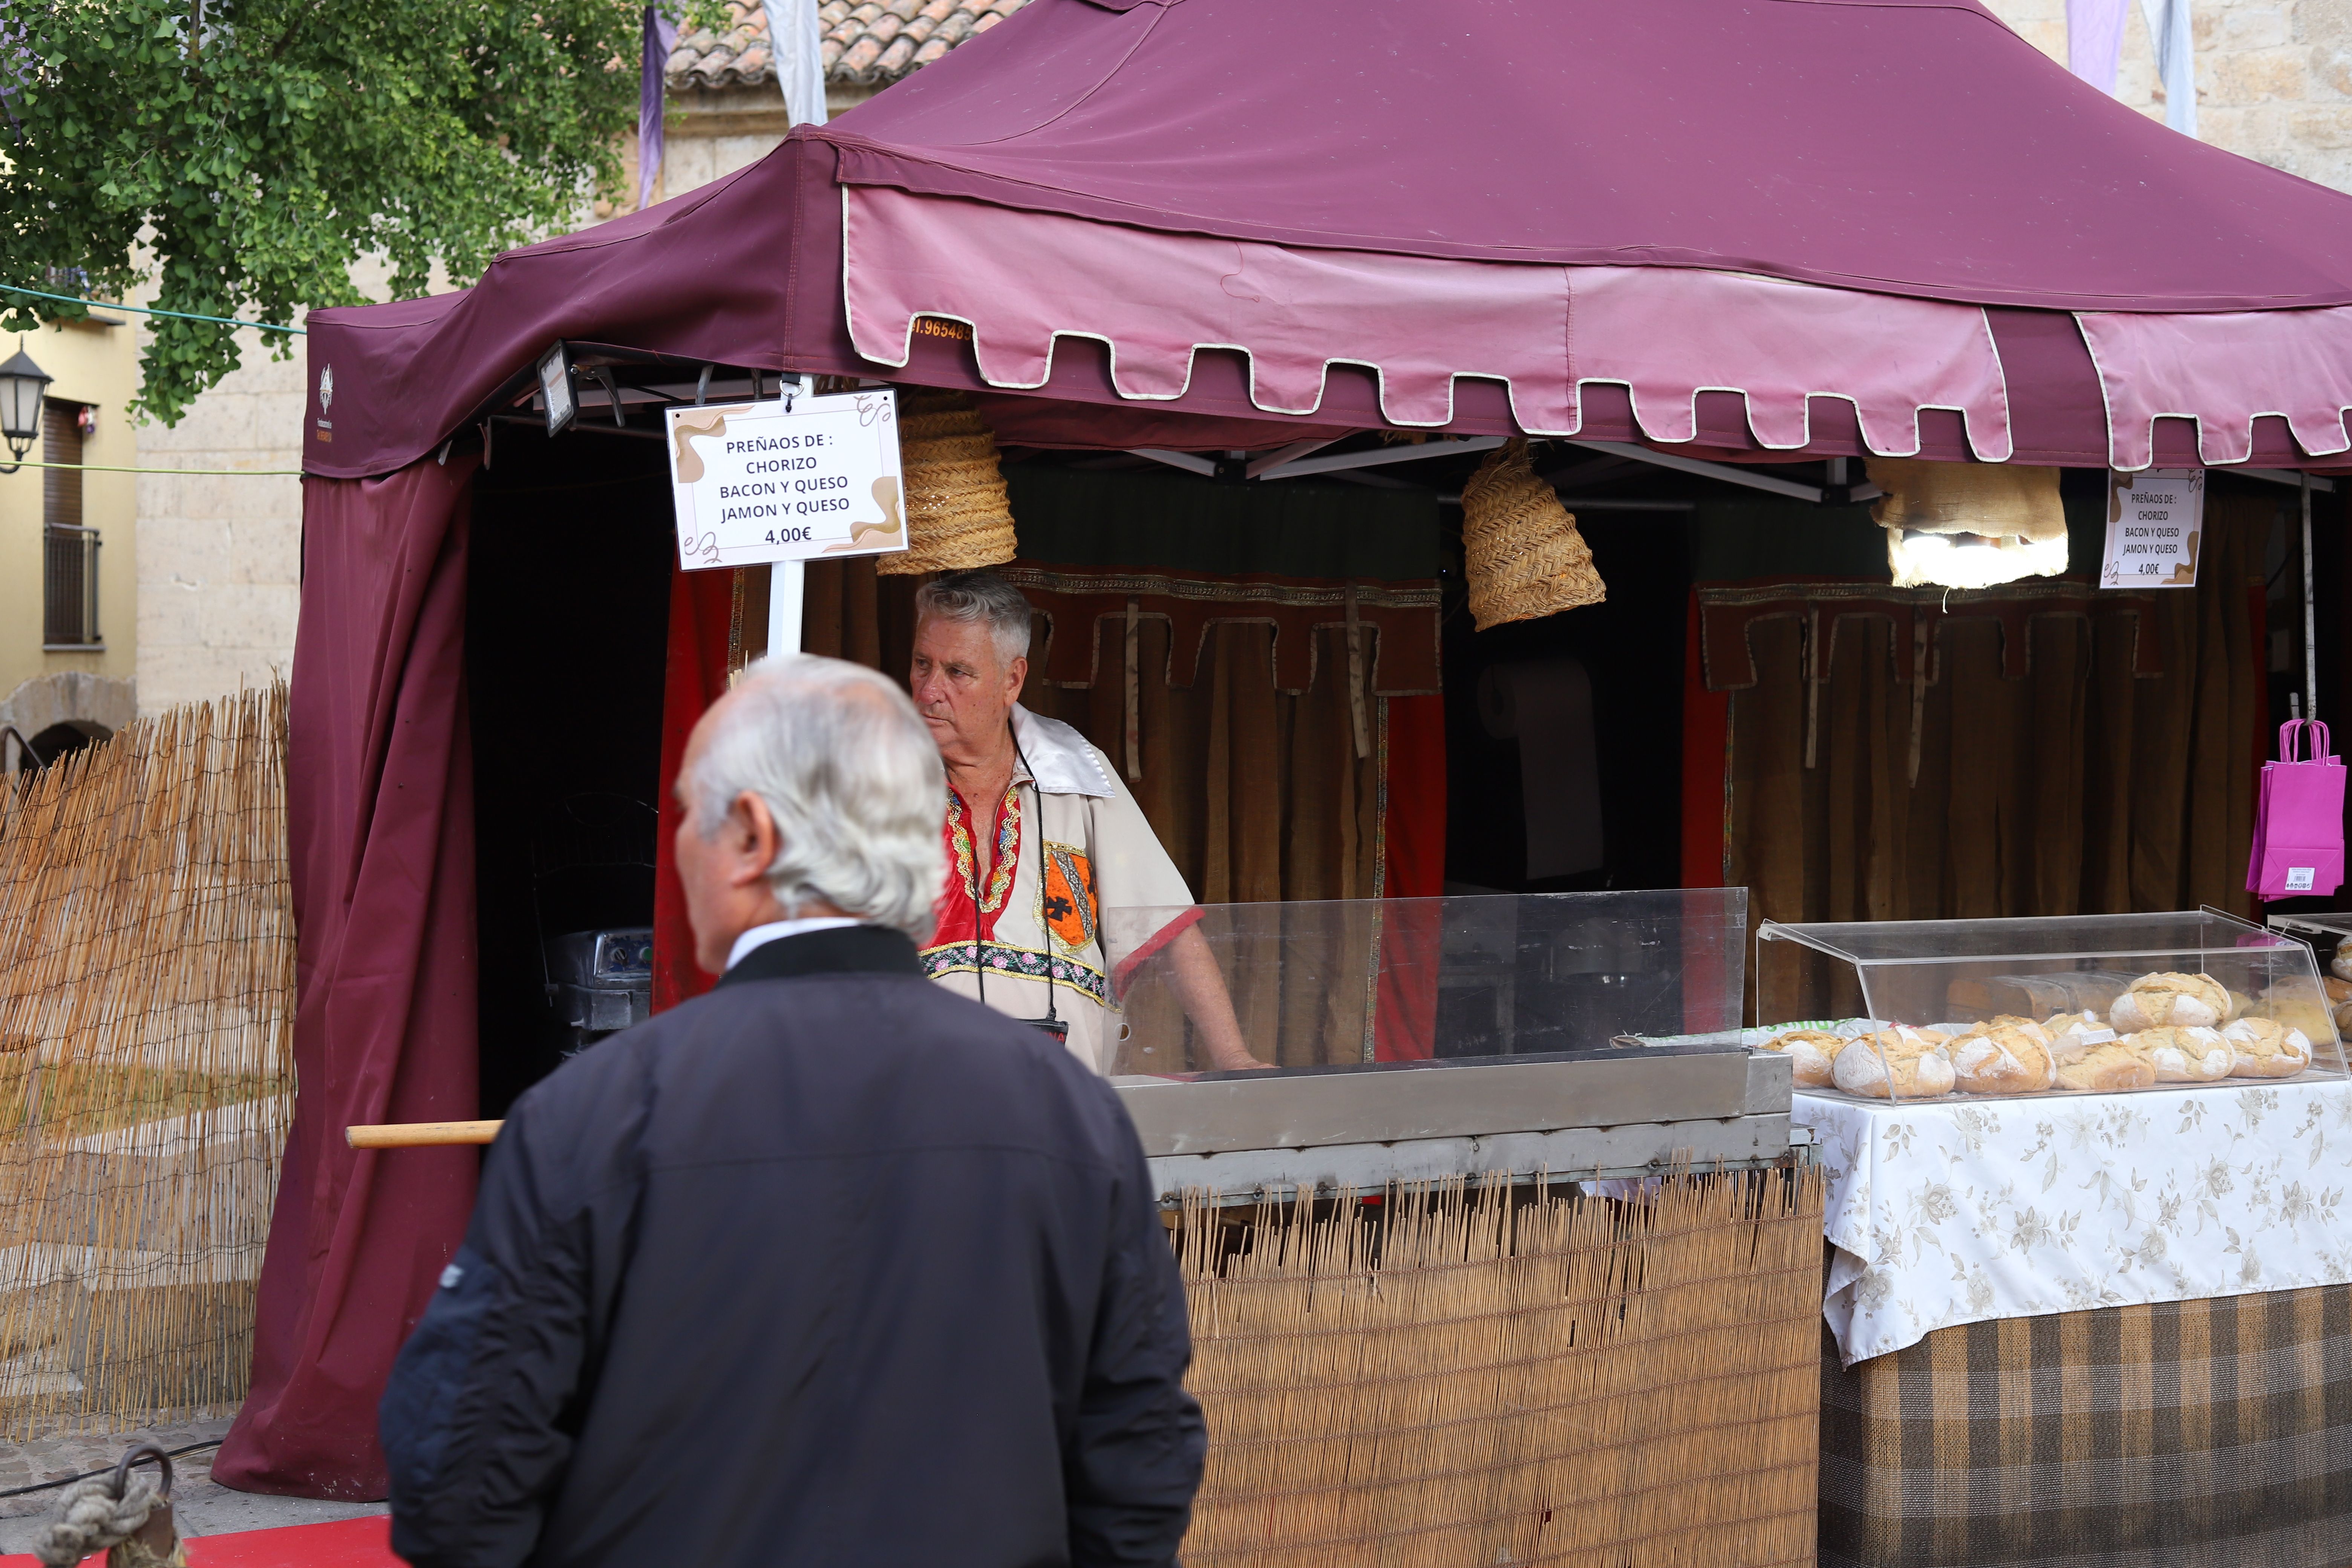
(826,1266)
(1040,840)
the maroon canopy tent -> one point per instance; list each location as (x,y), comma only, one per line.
(1765,231)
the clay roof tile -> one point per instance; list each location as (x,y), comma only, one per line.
(875,42)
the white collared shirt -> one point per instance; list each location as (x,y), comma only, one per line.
(760,936)
(1082,840)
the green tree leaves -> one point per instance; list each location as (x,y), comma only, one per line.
(247,152)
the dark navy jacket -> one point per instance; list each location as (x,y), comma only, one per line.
(828,1267)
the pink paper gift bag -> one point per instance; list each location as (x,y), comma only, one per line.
(2299,818)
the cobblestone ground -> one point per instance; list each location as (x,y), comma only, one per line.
(202,1506)
(55,1457)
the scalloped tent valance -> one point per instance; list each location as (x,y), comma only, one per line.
(1791,228)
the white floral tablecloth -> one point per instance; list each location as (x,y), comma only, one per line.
(1959,1211)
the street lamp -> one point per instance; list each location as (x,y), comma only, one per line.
(21,383)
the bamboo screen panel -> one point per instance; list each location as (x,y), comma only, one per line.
(146,1070)
(1474,1376)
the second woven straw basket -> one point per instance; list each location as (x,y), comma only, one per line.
(957,515)
(1525,558)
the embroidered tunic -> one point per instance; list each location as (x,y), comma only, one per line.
(1032,920)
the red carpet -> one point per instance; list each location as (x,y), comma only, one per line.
(345,1543)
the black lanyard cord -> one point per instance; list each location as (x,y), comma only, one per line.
(971,885)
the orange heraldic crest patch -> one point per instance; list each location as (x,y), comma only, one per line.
(1069,901)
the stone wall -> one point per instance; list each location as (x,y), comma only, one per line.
(220,558)
(97,705)
(2273,76)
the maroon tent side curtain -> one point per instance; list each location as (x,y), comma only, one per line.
(380,819)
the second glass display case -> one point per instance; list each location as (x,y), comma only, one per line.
(1356,982)
(1916,1010)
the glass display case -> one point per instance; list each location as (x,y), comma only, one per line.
(1359,983)
(1910,1010)
(2329,933)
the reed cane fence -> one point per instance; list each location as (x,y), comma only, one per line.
(146,1066)
(1472,1373)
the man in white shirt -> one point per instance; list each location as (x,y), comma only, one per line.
(1040,840)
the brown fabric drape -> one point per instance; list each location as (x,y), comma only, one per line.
(2109,769)
(1258,794)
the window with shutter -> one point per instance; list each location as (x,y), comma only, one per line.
(70,582)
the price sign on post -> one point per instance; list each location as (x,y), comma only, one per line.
(2155,519)
(770,481)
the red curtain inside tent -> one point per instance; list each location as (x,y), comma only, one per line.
(380,825)
(701,611)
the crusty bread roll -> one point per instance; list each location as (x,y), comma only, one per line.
(2162,1001)
(2299,1004)
(2341,965)
(2072,1034)
(1812,1054)
(2184,1055)
(1901,1063)
(2265,1047)
(2008,1056)
(2103,1068)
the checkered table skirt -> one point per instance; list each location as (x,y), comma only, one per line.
(2176,1435)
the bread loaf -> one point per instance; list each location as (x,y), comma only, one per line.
(2341,965)
(1811,1055)
(2184,1055)
(2008,1056)
(2105,1067)
(2298,1004)
(2265,1047)
(1901,1063)
(2072,1034)
(2163,1001)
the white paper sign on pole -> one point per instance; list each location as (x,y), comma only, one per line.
(2155,520)
(765,482)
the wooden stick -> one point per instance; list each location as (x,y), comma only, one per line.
(421,1134)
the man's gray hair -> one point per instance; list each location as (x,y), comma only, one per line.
(852,776)
(981,597)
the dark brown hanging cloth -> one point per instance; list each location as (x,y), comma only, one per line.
(2040,749)
(1259,794)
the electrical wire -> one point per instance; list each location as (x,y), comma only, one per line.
(87,1475)
(119,469)
(151,310)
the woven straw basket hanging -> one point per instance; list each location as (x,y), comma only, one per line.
(957,516)
(1526,557)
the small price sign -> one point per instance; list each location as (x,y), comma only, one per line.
(803,481)
(2155,520)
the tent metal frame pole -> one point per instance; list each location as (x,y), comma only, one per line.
(2282,476)
(788,580)
(1729,473)
(1380,455)
(1291,461)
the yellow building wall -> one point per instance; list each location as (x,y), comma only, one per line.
(97,364)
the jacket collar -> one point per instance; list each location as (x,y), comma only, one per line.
(1060,761)
(842,950)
